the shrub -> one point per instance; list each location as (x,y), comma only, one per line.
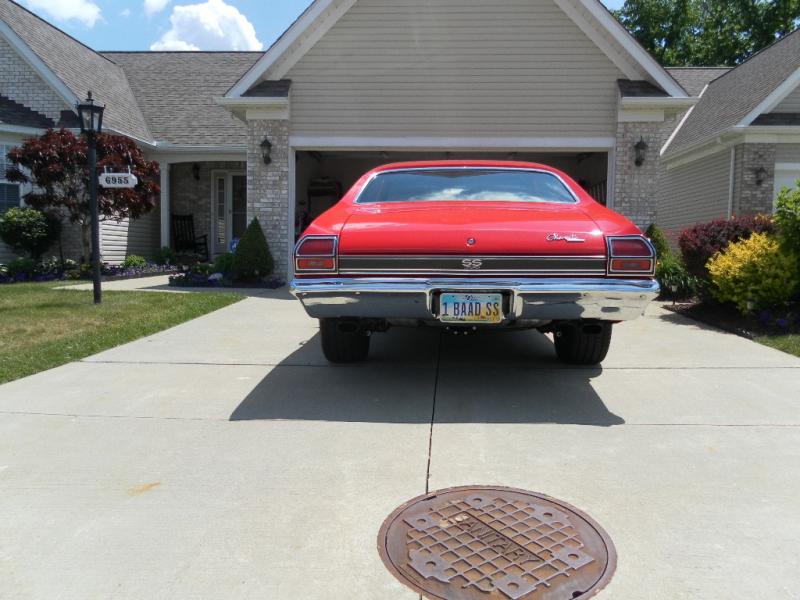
(224,263)
(701,242)
(659,241)
(252,259)
(28,230)
(165,256)
(787,217)
(21,266)
(676,282)
(133,262)
(756,270)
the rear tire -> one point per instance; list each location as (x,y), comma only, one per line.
(583,343)
(339,344)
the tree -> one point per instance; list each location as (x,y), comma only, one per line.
(55,163)
(708,32)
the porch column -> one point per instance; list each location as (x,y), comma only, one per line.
(268,187)
(165,205)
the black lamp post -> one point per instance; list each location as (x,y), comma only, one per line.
(91,118)
(640,150)
(266,151)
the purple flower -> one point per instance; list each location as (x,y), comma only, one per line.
(782,323)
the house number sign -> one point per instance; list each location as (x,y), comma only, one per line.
(118,180)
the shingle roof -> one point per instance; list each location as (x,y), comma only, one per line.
(175,91)
(734,95)
(694,79)
(13,113)
(80,68)
(639,89)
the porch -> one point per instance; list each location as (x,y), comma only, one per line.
(212,193)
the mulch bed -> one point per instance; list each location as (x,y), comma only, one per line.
(728,318)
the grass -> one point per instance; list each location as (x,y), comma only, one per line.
(787,343)
(43,327)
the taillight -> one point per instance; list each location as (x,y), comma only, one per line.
(316,254)
(631,255)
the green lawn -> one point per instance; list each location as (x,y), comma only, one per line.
(42,327)
(788,343)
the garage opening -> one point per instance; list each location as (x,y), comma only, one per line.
(322,177)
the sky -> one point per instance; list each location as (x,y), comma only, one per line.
(176,24)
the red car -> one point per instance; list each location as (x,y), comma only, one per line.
(469,245)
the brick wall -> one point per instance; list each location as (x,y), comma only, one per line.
(637,190)
(268,187)
(750,197)
(22,84)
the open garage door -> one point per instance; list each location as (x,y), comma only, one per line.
(322,177)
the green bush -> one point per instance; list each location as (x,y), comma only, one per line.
(21,266)
(133,261)
(787,216)
(659,241)
(202,268)
(755,273)
(252,259)
(676,282)
(28,230)
(224,263)
(165,256)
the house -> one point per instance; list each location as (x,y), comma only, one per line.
(740,145)
(356,83)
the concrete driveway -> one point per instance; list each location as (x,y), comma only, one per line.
(224,459)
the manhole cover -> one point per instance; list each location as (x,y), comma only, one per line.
(496,543)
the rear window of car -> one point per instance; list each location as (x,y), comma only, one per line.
(432,185)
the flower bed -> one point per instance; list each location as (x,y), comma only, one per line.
(218,280)
(751,326)
(25,270)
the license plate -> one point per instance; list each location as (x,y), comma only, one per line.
(471,308)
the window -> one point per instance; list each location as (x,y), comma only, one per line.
(9,192)
(466,184)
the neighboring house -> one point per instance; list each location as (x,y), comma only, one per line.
(740,145)
(357,83)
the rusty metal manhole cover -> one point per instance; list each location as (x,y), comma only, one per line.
(496,543)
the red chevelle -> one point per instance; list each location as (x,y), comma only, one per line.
(469,245)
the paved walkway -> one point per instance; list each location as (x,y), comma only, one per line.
(225,459)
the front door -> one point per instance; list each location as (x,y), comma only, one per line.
(230,209)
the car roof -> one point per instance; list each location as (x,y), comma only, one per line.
(432,164)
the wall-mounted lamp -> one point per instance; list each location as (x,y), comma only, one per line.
(761,175)
(266,151)
(196,171)
(640,148)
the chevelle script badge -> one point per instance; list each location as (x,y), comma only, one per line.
(565,237)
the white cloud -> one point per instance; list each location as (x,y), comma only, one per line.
(152,7)
(212,25)
(84,11)
(125,12)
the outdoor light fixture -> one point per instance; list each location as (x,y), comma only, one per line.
(641,149)
(761,175)
(196,171)
(266,151)
(91,117)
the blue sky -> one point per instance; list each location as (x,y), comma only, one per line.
(175,24)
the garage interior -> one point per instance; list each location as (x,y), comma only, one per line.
(323,176)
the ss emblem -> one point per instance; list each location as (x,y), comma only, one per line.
(472,263)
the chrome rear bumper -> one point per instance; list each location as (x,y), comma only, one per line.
(535,299)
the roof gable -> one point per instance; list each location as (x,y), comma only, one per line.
(589,15)
(73,69)
(740,96)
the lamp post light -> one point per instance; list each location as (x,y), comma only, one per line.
(640,152)
(91,117)
(266,151)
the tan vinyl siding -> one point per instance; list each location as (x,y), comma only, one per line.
(790,104)
(696,192)
(126,237)
(454,68)
(787,153)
